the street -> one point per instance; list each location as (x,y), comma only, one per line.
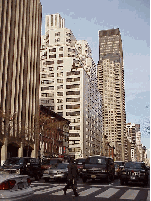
(96,190)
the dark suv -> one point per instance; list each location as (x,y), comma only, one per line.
(23,165)
(134,172)
(98,167)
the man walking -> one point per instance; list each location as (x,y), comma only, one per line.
(72,177)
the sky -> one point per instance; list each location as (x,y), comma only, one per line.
(86,17)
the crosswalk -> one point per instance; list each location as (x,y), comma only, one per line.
(98,191)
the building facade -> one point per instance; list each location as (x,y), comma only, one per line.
(136,149)
(110,73)
(54,134)
(20,31)
(68,86)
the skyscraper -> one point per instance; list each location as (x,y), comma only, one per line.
(69,86)
(20,31)
(110,73)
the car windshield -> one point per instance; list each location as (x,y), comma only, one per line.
(13,161)
(62,166)
(96,160)
(133,165)
(49,162)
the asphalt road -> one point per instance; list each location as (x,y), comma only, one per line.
(90,191)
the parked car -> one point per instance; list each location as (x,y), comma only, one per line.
(80,162)
(56,172)
(14,186)
(134,172)
(98,167)
(50,162)
(24,166)
(119,165)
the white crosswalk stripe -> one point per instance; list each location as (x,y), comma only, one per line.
(108,193)
(57,189)
(62,192)
(88,191)
(48,190)
(130,194)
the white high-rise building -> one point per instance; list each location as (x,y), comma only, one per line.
(68,81)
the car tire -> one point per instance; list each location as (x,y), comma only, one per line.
(84,180)
(37,177)
(122,182)
(46,179)
(108,179)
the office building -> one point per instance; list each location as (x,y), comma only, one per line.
(20,31)
(110,73)
(68,86)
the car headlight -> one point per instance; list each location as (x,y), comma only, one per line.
(142,173)
(104,170)
(84,170)
(18,171)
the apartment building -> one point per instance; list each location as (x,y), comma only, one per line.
(68,86)
(110,73)
(134,137)
(20,31)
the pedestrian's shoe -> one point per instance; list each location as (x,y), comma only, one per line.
(76,194)
(64,191)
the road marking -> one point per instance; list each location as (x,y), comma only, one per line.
(130,194)
(88,191)
(39,187)
(148,197)
(108,193)
(62,192)
(48,190)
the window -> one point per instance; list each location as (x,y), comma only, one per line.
(59,80)
(59,100)
(59,67)
(60,48)
(49,62)
(60,74)
(57,34)
(72,86)
(59,61)
(60,55)
(59,93)
(50,68)
(73,73)
(51,75)
(60,87)
(52,56)
(57,40)
(73,93)
(73,106)
(51,20)
(43,75)
(60,107)
(52,50)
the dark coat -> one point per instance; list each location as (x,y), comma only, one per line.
(72,171)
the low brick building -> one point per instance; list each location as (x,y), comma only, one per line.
(54,133)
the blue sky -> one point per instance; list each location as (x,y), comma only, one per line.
(85,18)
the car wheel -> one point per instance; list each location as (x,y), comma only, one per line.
(46,179)
(145,182)
(122,182)
(108,178)
(84,180)
(37,177)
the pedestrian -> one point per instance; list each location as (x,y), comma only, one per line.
(72,177)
